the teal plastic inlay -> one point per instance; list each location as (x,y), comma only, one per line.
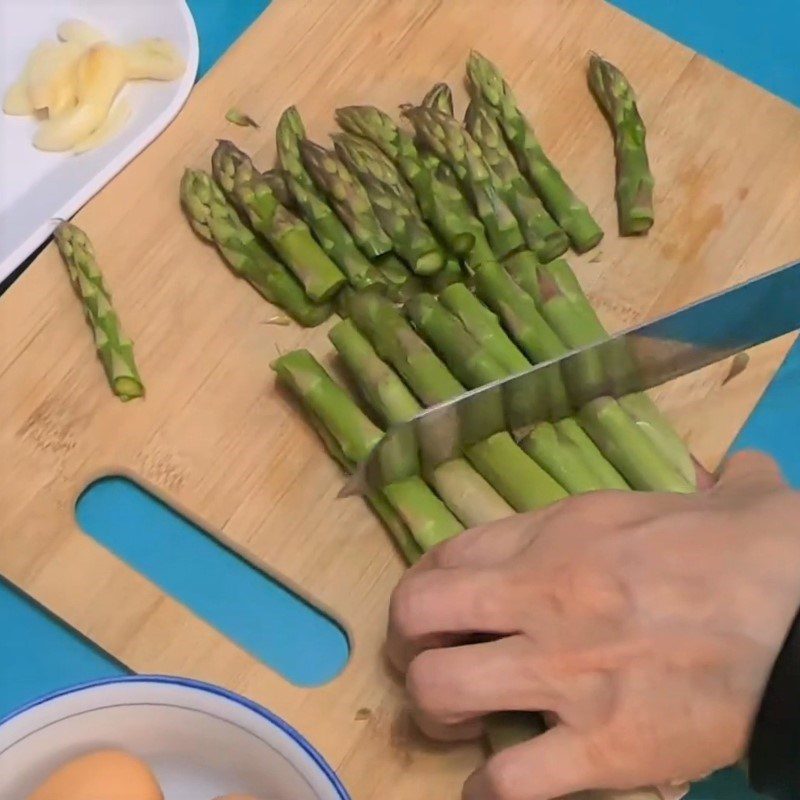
(252,609)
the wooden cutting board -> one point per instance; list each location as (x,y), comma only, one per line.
(217,441)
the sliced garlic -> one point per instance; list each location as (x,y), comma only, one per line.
(101,73)
(16,100)
(75,30)
(154,59)
(52,80)
(120,113)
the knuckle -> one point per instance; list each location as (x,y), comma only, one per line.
(422,683)
(404,608)
(500,779)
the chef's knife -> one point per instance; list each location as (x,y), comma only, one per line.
(634,360)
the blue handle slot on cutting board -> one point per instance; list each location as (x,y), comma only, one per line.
(252,609)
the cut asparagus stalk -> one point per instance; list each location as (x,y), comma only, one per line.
(570,213)
(288,235)
(519,479)
(448,275)
(450,141)
(400,284)
(467,360)
(393,202)
(214,219)
(629,449)
(440,97)
(441,203)
(422,512)
(484,327)
(608,476)
(114,348)
(540,230)
(635,181)
(469,496)
(329,230)
(347,196)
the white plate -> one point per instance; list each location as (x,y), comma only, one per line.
(200,741)
(35,187)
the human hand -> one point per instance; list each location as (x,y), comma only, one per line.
(645,625)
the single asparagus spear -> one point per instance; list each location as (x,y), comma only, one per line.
(629,449)
(348,198)
(330,231)
(540,230)
(635,181)
(572,215)
(440,97)
(214,219)
(441,202)
(114,348)
(277,182)
(449,140)
(399,283)
(484,327)
(288,235)
(419,508)
(393,202)
(465,492)
(466,358)
(570,429)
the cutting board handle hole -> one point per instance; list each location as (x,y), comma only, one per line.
(251,608)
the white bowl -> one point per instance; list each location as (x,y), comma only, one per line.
(200,740)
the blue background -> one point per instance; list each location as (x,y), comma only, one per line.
(756,38)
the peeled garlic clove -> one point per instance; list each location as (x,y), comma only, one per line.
(75,30)
(52,78)
(101,73)
(120,113)
(154,59)
(16,101)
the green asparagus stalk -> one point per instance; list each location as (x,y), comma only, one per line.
(329,230)
(348,197)
(450,142)
(466,358)
(635,181)
(570,213)
(422,512)
(441,202)
(114,348)
(484,327)
(399,283)
(393,202)
(448,275)
(440,97)
(465,492)
(277,182)
(214,219)
(288,235)
(570,430)
(629,449)
(540,230)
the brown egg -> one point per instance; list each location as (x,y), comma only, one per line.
(105,773)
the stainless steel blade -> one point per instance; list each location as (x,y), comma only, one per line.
(634,360)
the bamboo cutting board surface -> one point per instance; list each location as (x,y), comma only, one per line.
(215,438)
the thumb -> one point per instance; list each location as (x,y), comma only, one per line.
(750,468)
(551,765)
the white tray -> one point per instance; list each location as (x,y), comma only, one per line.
(37,188)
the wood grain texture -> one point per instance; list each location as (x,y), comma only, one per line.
(215,438)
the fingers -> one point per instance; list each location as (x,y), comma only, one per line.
(705,480)
(750,469)
(549,766)
(428,607)
(448,687)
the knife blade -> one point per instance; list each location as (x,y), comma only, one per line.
(634,360)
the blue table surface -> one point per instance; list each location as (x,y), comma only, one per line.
(755,38)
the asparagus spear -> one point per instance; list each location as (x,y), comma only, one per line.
(216,221)
(114,348)
(393,202)
(331,233)
(440,97)
(572,215)
(570,430)
(541,232)
(635,181)
(399,283)
(288,235)
(449,140)
(355,436)
(484,327)
(277,182)
(468,495)
(441,202)
(468,361)
(348,198)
